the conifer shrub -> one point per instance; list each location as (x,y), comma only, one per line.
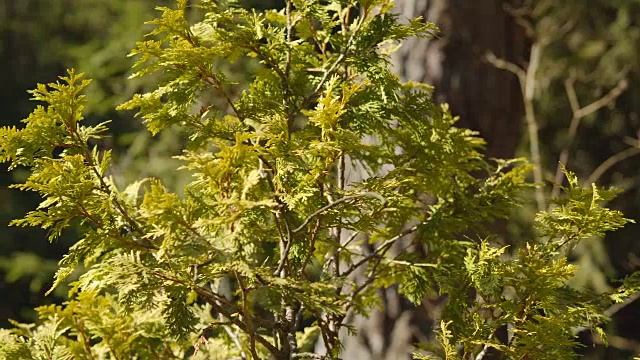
(319,182)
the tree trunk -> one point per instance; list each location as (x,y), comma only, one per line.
(486,99)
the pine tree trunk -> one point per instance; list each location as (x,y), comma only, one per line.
(486,99)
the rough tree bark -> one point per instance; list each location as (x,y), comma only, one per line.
(486,99)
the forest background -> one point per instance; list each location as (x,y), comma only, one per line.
(548,80)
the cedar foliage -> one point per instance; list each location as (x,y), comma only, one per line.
(272,247)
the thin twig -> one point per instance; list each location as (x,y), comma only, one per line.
(505,65)
(311,356)
(224,307)
(286,242)
(73,131)
(351,238)
(571,94)
(381,250)
(338,230)
(611,161)
(527,86)
(613,309)
(332,204)
(236,341)
(578,114)
(312,248)
(341,57)
(246,316)
(211,79)
(605,100)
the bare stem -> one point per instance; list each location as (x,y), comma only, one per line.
(578,114)
(506,65)
(382,249)
(614,159)
(527,81)
(341,57)
(529,87)
(246,316)
(334,203)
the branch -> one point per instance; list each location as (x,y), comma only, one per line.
(611,161)
(484,350)
(86,340)
(312,248)
(605,100)
(621,343)
(233,336)
(505,65)
(341,183)
(381,250)
(211,79)
(210,298)
(573,129)
(571,94)
(527,86)
(285,242)
(73,131)
(341,57)
(578,114)
(613,309)
(332,204)
(215,301)
(247,317)
(312,356)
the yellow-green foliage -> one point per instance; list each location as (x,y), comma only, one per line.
(257,257)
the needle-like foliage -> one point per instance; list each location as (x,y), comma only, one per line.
(276,243)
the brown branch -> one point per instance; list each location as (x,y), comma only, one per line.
(340,58)
(312,248)
(334,203)
(86,340)
(222,306)
(211,79)
(382,249)
(73,131)
(287,66)
(246,316)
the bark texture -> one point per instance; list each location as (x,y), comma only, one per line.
(486,99)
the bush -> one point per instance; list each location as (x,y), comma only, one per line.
(276,243)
